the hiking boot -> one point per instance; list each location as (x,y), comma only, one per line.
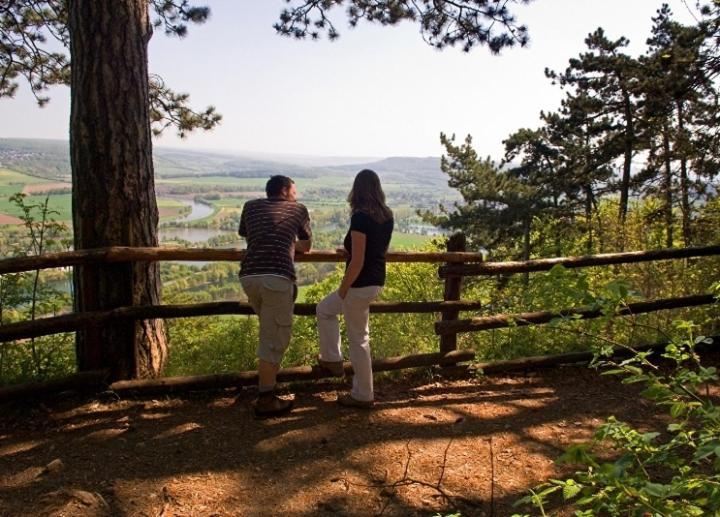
(348,400)
(269,405)
(334,368)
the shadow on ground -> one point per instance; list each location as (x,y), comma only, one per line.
(471,446)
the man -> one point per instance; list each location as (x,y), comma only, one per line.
(274,228)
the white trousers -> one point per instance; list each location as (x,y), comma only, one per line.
(356,310)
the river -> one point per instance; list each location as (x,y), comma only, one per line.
(193,235)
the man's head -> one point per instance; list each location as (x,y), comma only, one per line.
(282,187)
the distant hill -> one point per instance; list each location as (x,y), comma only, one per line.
(43,158)
(50,159)
(414,170)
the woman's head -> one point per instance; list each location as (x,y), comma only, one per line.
(367,195)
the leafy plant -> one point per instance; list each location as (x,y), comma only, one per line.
(671,473)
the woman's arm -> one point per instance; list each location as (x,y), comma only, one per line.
(357,260)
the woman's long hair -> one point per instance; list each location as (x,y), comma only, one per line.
(367,196)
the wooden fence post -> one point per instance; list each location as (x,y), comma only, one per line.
(453,284)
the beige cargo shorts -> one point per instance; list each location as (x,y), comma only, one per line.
(272,298)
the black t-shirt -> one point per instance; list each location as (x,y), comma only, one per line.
(376,245)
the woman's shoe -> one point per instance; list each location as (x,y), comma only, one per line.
(334,368)
(348,400)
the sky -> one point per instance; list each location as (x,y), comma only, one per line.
(375,92)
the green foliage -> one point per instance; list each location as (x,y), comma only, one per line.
(24,296)
(673,473)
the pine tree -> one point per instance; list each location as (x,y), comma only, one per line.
(577,129)
(675,92)
(608,76)
(442,23)
(498,206)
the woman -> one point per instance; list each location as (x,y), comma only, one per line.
(366,243)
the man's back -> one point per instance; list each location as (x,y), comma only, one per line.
(271,226)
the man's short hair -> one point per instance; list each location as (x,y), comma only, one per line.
(276,184)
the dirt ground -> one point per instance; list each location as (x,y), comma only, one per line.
(430,446)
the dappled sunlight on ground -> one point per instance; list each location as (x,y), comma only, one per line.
(470,445)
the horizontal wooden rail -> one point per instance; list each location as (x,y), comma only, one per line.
(127,254)
(74,322)
(90,381)
(300,373)
(95,380)
(528,266)
(550,361)
(533,318)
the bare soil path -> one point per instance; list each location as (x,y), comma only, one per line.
(471,446)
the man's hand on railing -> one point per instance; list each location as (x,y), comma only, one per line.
(303,246)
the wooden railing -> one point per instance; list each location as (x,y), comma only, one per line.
(456,263)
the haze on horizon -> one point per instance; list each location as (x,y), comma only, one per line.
(376,92)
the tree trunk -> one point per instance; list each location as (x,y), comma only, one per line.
(628,142)
(527,227)
(112,181)
(667,186)
(681,151)
(588,217)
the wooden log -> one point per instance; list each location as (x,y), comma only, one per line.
(452,288)
(538,317)
(458,259)
(300,373)
(52,260)
(127,254)
(497,268)
(90,381)
(551,361)
(119,254)
(74,322)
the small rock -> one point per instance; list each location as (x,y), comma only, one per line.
(431,417)
(459,419)
(387,492)
(87,498)
(379,477)
(54,466)
(324,441)
(329,506)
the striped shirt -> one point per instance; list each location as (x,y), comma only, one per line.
(270,227)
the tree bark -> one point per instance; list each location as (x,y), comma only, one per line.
(667,186)
(681,149)
(113,181)
(628,142)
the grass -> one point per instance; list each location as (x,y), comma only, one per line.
(60,204)
(408,240)
(231,202)
(163,202)
(12,178)
(215,180)
(302,292)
